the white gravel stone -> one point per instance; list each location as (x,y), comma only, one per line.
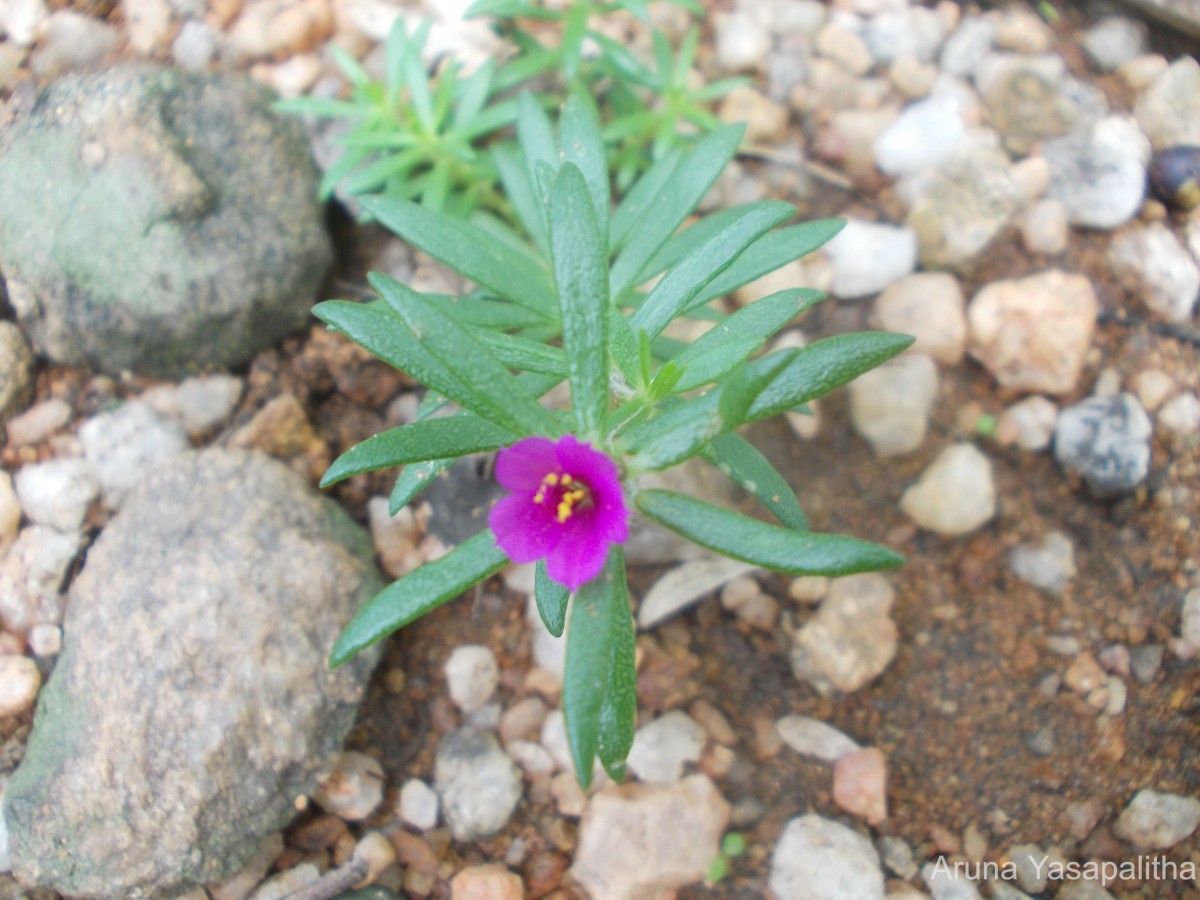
(928,133)
(45,641)
(195,46)
(967,46)
(1045,228)
(955,495)
(851,639)
(1169,110)
(930,307)
(743,41)
(1049,565)
(1152,264)
(1153,387)
(1033,333)
(30,575)
(10,512)
(682,586)
(57,492)
(125,443)
(472,675)
(354,789)
(478,784)
(71,41)
(945,883)
(913,31)
(819,859)
(869,256)
(207,402)
(1028,423)
(22,19)
(37,422)
(534,759)
(418,805)
(1157,821)
(1114,41)
(1188,644)
(1101,184)
(1181,414)
(662,748)
(20,681)
(814,738)
(890,405)
(147,22)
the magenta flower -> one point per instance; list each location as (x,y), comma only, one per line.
(566,507)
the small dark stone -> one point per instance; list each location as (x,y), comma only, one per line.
(1175,176)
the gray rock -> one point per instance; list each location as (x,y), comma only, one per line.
(70,40)
(916,32)
(1157,821)
(57,492)
(629,839)
(1049,565)
(471,676)
(125,444)
(967,46)
(1113,41)
(16,371)
(1046,228)
(1181,414)
(37,422)
(869,256)
(682,586)
(1169,110)
(124,250)
(890,405)
(1101,185)
(1030,863)
(928,133)
(897,856)
(852,637)
(31,574)
(819,859)
(743,41)
(194,46)
(1106,440)
(202,404)
(1084,889)
(1151,263)
(478,785)
(1029,98)
(965,204)
(353,789)
(192,703)
(814,738)
(955,495)
(663,747)
(947,883)
(418,805)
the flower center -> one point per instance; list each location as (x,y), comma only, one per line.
(564,493)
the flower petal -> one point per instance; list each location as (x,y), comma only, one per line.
(600,473)
(522,466)
(578,557)
(524,530)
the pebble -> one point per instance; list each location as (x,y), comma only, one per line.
(1049,565)
(1106,440)
(1169,109)
(662,748)
(472,675)
(869,256)
(814,738)
(38,422)
(534,759)
(808,588)
(479,786)
(1033,333)
(743,42)
(1102,185)
(1046,228)
(126,443)
(69,41)
(202,404)
(714,723)
(1181,414)
(1024,98)
(1032,177)
(569,798)
(57,492)
(629,838)
(912,78)
(1153,387)
(845,47)
(241,884)
(20,681)
(955,495)
(30,575)
(765,119)
(522,720)
(1142,71)
(860,784)
(1084,889)
(897,856)
(890,404)
(929,306)
(1152,264)
(418,805)
(966,47)
(1084,675)
(10,512)
(16,371)
(195,46)
(851,639)
(22,19)
(914,32)
(819,859)
(490,882)
(1157,821)
(684,585)
(848,141)
(147,23)
(45,641)
(928,133)
(963,206)
(1114,41)
(1145,661)
(1028,423)
(354,789)
(1023,31)
(945,883)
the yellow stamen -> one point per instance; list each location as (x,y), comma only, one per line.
(567,504)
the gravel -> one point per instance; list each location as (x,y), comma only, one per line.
(1106,440)
(477,784)
(955,495)
(1157,821)
(819,859)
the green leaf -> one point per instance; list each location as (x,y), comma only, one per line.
(514,177)
(596,651)
(418,593)
(770,546)
(735,338)
(573,33)
(817,369)
(551,600)
(623,345)
(678,197)
(535,134)
(525,355)
(469,251)
(677,290)
(497,394)
(769,253)
(640,198)
(580,143)
(582,277)
(618,710)
(417,442)
(413,479)
(741,461)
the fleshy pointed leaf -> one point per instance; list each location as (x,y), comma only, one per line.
(742,462)
(770,546)
(413,479)
(551,600)
(418,593)
(580,144)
